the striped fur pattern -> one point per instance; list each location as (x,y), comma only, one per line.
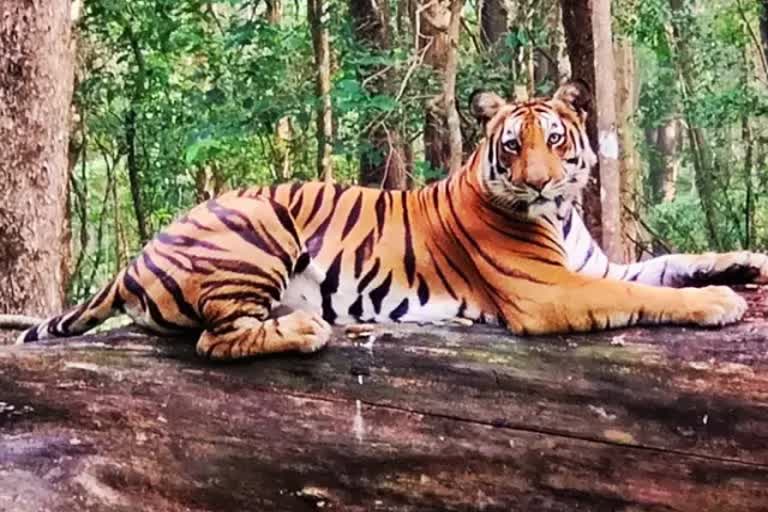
(268,269)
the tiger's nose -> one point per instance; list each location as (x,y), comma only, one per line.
(538,182)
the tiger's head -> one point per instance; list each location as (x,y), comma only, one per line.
(537,155)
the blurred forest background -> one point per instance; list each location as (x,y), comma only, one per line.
(175,101)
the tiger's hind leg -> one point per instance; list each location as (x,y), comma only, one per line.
(248,336)
(259,252)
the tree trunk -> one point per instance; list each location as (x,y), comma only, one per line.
(322,50)
(605,94)
(383,159)
(665,143)
(493,22)
(134,177)
(274,11)
(579,40)
(452,120)
(547,59)
(629,163)
(437,33)
(764,28)
(36,59)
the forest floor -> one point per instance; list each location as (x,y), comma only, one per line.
(417,418)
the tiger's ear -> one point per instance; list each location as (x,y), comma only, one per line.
(577,95)
(483,105)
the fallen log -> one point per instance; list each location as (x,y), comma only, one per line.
(415,418)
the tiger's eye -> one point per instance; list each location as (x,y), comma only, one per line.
(512,146)
(554,138)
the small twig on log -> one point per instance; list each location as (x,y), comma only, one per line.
(18,321)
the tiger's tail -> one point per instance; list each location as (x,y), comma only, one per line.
(81,318)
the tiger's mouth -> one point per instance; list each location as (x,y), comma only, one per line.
(540,205)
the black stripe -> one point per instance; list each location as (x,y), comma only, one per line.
(363,252)
(148,305)
(329,286)
(379,207)
(101,296)
(295,186)
(210,288)
(287,222)
(356,309)
(462,308)
(409,259)
(441,275)
(315,206)
(179,265)
(369,276)
(301,263)
(236,266)
(590,251)
(296,208)
(186,220)
(71,317)
(170,284)
(377,294)
(423,291)
(663,272)
(456,270)
(354,215)
(232,219)
(185,241)
(399,311)
(567,224)
(315,241)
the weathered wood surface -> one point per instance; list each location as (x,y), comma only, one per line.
(422,418)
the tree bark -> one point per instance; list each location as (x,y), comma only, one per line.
(437,34)
(579,40)
(274,11)
(132,160)
(322,50)
(37,63)
(383,160)
(629,163)
(605,94)
(493,22)
(764,28)
(452,120)
(665,143)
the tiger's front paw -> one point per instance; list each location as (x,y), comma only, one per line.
(312,331)
(713,306)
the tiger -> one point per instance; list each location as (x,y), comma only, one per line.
(270,269)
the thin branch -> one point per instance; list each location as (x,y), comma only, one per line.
(755,40)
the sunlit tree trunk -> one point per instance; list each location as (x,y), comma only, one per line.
(605,94)
(322,50)
(36,59)
(383,161)
(436,32)
(577,24)
(629,162)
